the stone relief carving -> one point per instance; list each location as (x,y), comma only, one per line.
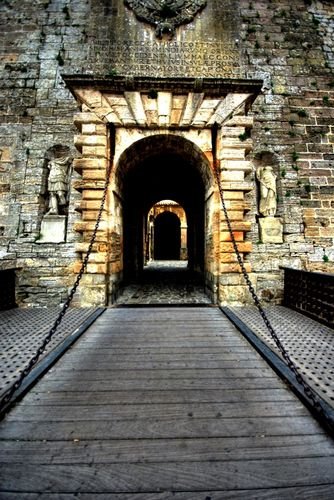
(267,180)
(165,15)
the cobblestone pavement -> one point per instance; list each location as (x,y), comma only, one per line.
(165,282)
(309,343)
(22,332)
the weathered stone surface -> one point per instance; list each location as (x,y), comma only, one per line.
(289,125)
(53,229)
(271,230)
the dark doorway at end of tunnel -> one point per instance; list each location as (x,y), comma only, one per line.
(167,237)
(171,173)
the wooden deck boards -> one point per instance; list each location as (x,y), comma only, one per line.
(167,403)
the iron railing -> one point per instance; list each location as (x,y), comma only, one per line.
(311,293)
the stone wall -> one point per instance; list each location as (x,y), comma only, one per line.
(287,44)
(293,127)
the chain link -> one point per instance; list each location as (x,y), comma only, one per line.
(25,372)
(311,395)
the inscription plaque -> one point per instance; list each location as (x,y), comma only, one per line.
(187,59)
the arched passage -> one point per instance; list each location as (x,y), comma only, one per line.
(162,145)
(167,237)
(155,168)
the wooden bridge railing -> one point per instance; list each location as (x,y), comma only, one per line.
(310,293)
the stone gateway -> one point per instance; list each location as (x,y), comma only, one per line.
(165,95)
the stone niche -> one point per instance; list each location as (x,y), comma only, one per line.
(270,225)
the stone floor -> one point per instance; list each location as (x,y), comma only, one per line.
(165,282)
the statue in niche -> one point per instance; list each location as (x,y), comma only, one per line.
(58,184)
(267,180)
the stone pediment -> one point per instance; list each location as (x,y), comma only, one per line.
(163,103)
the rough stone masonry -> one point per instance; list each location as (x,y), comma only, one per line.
(240,86)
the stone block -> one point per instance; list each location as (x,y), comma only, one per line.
(92,296)
(53,229)
(97,268)
(235,165)
(244,247)
(234,268)
(92,151)
(271,230)
(233,294)
(226,236)
(228,258)
(94,174)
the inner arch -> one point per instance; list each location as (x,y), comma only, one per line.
(155,168)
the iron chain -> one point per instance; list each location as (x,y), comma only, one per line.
(25,372)
(306,387)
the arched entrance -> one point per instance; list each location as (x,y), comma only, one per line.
(158,167)
(163,137)
(178,237)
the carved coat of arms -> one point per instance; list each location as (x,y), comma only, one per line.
(166,15)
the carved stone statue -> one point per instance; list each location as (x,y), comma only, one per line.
(267,180)
(58,182)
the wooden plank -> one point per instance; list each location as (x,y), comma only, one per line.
(167,344)
(320,492)
(167,411)
(172,374)
(140,410)
(39,397)
(73,384)
(118,478)
(196,353)
(187,427)
(157,336)
(177,450)
(152,364)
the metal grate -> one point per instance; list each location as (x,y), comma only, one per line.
(309,344)
(310,293)
(22,331)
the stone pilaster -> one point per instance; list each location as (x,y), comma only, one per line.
(92,142)
(234,176)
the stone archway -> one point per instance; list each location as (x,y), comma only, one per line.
(159,208)
(200,125)
(161,166)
